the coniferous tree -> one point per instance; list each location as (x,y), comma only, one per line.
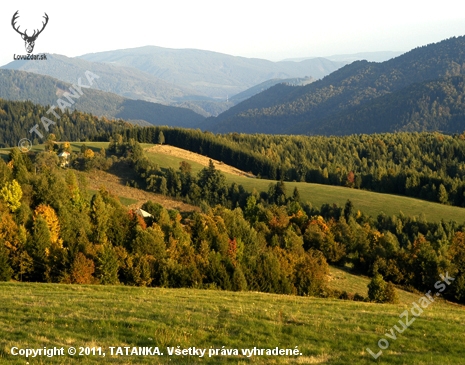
(107,265)
(377,289)
(39,250)
(100,215)
(296,195)
(443,197)
(239,282)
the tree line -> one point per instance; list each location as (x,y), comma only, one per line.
(18,117)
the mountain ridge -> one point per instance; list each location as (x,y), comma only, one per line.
(225,74)
(280,108)
(199,80)
(44,90)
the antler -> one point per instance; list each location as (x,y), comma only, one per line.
(43,27)
(13,23)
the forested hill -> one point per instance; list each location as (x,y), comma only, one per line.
(17,118)
(436,105)
(45,90)
(306,109)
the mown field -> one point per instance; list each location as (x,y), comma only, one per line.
(326,331)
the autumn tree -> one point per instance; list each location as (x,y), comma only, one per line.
(56,254)
(350,181)
(53,224)
(141,270)
(11,193)
(311,273)
(160,138)
(82,270)
(457,256)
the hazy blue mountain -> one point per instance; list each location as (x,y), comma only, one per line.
(367,56)
(21,86)
(254,90)
(213,74)
(379,56)
(125,81)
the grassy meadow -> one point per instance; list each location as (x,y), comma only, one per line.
(326,331)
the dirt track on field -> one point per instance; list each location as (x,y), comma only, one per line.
(195,157)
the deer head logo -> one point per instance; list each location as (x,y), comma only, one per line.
(29,41)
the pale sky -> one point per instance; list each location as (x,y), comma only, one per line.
(273,30)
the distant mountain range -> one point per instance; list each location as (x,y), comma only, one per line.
(367,56)
(199,80)
(349,58)
(213,74)
(125,81)
(419,90)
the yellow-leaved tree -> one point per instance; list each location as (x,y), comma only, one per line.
(11,193)
(89,154)
(49,215)
(51,253)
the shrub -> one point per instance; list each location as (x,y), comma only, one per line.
(390,294)
(239,282)
(381,292)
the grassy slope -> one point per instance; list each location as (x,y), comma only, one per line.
(368,202)
(345,281)
(326,331)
